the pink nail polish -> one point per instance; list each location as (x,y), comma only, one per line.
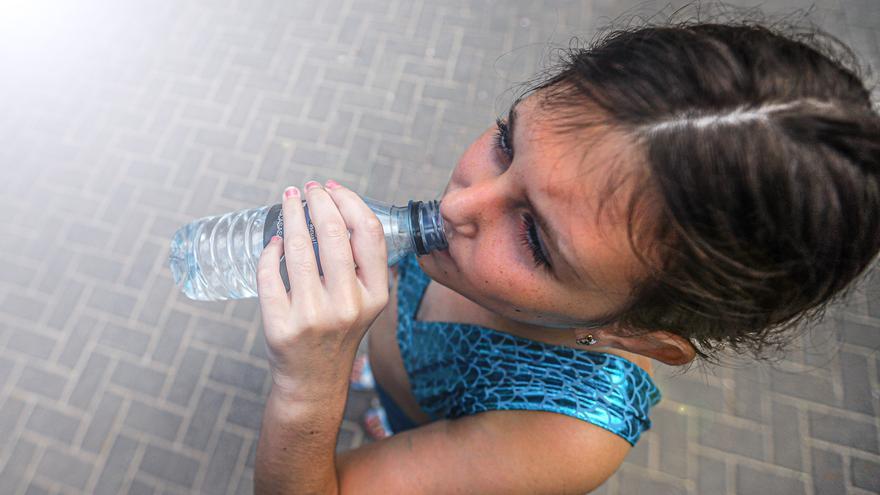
(332,184)
(290,192)
(311,184)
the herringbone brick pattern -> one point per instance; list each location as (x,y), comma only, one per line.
(121,121)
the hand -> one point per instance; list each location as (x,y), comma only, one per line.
(312,333)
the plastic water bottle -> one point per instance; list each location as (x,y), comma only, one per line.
(215,258)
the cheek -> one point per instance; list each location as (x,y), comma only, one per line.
(499,274)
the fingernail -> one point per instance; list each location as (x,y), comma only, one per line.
(332,184)
(275,238)
(311,185)
(290,192)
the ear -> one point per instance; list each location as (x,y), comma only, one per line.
(666,347)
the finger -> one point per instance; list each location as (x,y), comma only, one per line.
(299,255)
(334,245)
(367,237)
(274,301)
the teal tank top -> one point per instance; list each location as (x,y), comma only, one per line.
(458,369)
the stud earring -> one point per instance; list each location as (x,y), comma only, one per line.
(586,340)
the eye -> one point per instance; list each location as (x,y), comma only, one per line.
(528,235)
(502,139)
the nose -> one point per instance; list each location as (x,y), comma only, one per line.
(468,209)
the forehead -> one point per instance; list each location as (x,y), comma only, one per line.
(583,178)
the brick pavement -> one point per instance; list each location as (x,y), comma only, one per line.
(127,120)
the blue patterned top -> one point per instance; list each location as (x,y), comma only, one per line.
(458,369)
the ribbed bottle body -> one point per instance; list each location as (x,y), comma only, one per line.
(215,258)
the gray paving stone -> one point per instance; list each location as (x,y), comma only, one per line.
(805,385)
(749,481)
(21,455)
(222,464)
(836,429)
(828,477)
(245,412)
(24,307)
(139,487)
(41,382)
(743,441)
(138,378)
(152,309)
(64,468)
(88,236)
(673,435)
(853,332)
(6,368)
(30,343)
(152,420)
(238,374)
(114,470)
(638,455)
(84,327)
(713,476)
(124,339)
(112,302)
(169,341)
(186,377)
(865,474)
(169,465)
(102,422)
(11,414)
(785,427)
(857,394)
(219,333)
(52,423)
(89,381)
(204,420)
(631,482)
(98,267)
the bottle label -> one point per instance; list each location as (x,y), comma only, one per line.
(274,225)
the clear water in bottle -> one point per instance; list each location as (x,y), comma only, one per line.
(215,258)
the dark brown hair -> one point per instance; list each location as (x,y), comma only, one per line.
(763,149)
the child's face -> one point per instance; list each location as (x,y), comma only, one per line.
(550,176)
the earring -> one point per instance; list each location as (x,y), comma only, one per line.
(586,340)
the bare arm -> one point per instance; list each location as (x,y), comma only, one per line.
(298,438)
(297,445)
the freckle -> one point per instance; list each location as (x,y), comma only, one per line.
(518,311)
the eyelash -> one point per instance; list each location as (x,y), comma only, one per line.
(502,139)
(528,235)
(528,232)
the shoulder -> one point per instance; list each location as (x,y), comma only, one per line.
(503,452)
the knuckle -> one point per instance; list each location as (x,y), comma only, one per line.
(347,315)
(299,242)
(308,320)
(345,264)
(378,304)
(302,264)
(265,271)
(335,230)
(374,227)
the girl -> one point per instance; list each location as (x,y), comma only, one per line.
(666,193)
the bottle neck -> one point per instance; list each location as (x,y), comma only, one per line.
(426,226)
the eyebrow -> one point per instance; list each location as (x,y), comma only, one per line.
(552,234)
